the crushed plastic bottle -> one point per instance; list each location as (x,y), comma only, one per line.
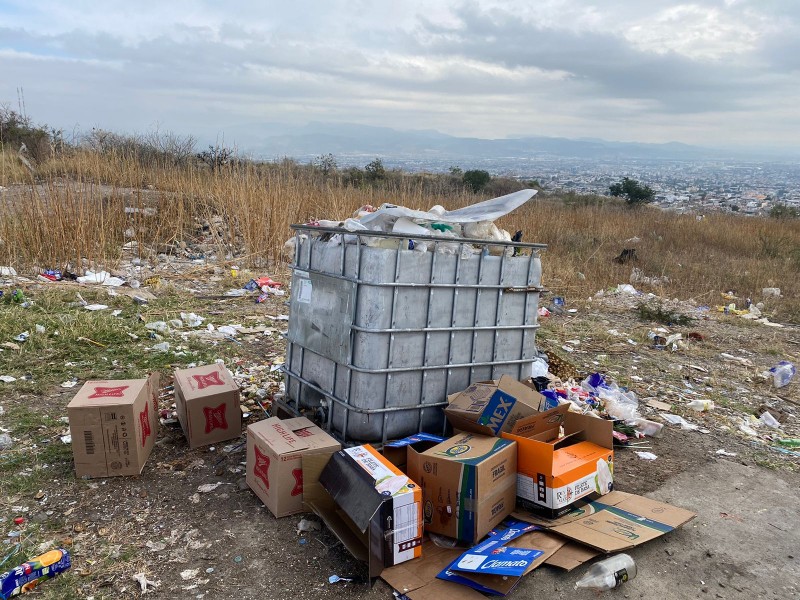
(608,574)
(782,373)
(701,405)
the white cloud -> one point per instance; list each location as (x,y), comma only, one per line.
(696,32)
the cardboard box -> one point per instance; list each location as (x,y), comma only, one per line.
(492,407)
(381,507)
(275,454)
(207,400)
(113,426)
(554,472)
(469,484)
(618,522)
(397,451)
(429,578)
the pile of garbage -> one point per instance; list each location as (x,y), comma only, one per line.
(475,222)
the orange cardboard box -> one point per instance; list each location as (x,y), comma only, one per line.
(276,461)
(113,426)
(207,400)
(553,472)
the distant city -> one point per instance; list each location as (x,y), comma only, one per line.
(685,178)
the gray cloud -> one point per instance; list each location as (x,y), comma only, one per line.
(554,68)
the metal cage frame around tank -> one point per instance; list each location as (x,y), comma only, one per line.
(317,235)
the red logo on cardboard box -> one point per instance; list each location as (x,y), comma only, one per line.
(144,421)
(109,392)
(298,482)
(204,381)
(215,417)
(261,468)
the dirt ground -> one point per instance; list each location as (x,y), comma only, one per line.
(225,543)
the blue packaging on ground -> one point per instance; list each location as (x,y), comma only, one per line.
(29,574)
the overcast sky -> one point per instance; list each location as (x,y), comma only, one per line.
(711,72)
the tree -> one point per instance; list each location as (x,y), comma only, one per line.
(476,179)
(783,211)
(635,193)
(217,156)
(456,171)
(375,170)
(326,163)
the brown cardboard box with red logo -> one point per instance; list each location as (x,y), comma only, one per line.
(207,400)
(276,467)
(113,425)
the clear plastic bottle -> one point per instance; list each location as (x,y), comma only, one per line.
(608,574)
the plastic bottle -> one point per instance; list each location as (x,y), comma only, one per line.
(608,573)
(701,405)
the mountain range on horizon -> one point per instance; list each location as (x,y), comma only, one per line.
(348,140)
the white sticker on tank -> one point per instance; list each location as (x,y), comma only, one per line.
(304,290)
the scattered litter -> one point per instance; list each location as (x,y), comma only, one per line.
(7,272)
(69,384)
(698,368)
(94,307)
(188,574)
(39,328)
(646,455)
(7,379)
(117,312)
(236,292)
(161,347)
(782,373)
(722,452)
(771,292)
(22,337)
(701,405)
(767,419)
(31,573)
(5,441)
(307,525)
(144,583)
(66,439)
(156,546)
(160,326)
(337,579)
(192,320)
(658,405)
(678,420)
(626,288)
(745,428)
(608,574)
(101,277)
(208,487)
(736,359)
(227,330)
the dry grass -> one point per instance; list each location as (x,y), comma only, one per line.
(57,223)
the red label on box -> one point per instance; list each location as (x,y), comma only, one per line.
(144,421)
(215,417)
(109,392)
(204,381)
(298,482)
(261,468)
